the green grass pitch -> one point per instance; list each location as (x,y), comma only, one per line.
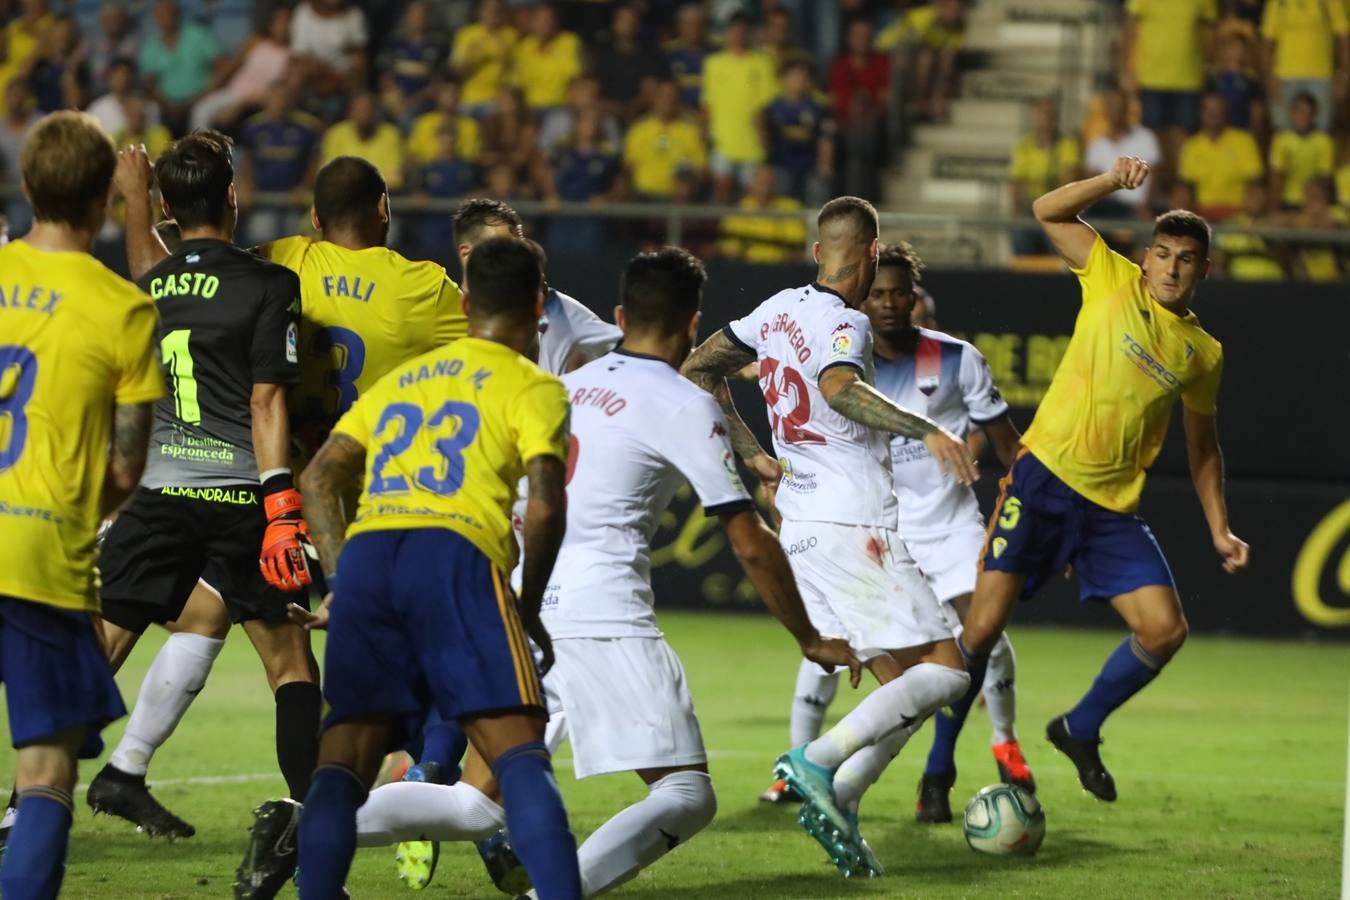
(1231,772)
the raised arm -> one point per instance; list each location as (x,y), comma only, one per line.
(851,397)
(126,454)
(762,557)
(545,525)
(1058,211)
(132,180)
(1206,462)
(708,367)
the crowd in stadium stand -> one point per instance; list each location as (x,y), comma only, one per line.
(1241,107)
(760,104)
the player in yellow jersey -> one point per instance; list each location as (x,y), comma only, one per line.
(79,375)
(1071,497)
(365,308)
(421,609)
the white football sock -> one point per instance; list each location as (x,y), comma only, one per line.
(1000,695)
(813,696)
(418,811)
(908,700)
(861,770)
(170,685)
(677,807)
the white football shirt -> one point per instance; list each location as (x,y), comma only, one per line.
(948,381)
(639,429)
(570,327)
(834,469)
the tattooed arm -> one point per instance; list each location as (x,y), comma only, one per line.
(708,367)
(851,397)
(338,461)
(545,525)
(126,455)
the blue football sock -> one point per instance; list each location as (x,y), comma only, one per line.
(35,858)
(1127,670)
(537,822)
(947,723)
(327,833)
(444,744)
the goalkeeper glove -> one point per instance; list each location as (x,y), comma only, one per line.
(283,561)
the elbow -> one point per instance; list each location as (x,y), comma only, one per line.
(1038,209)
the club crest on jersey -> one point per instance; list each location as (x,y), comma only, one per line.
(292,340)
(1000,544)
(927,384)
(840,346)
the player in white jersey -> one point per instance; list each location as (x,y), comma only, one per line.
(948,380)
(570,335)
(639,430)
(831,432)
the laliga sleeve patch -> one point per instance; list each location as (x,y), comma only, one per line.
(841,346)
(733,474)
(292,341)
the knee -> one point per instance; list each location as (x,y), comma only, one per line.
(1163,639)
(693,793)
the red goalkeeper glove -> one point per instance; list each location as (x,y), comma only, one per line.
(283,548)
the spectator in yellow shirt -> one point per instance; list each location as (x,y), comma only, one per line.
(1167,43)
(1319,262)
(481,56)
(662,145)
(424,137)
(1307,45)
(1219,160)
(763,239)
(1244,255)
(22,38)
(546,60)
(362,134)
(1343,185)
(738,83)
(1298,155)
(1042,160)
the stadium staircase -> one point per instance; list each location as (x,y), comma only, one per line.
(1016,51)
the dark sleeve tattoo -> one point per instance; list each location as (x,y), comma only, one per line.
(708,367)
(338,461)
(865,405)
(126,453)
(545,525)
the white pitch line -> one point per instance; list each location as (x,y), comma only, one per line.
(1345,847)
(1214,778)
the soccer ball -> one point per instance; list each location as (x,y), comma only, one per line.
(1004,820)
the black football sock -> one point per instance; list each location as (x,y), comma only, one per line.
(299,705)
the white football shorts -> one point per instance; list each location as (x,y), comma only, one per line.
(626,705)
(949,560)
(859,582)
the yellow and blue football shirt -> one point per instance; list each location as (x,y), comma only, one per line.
(75,341)
(1105,415)
(363,313)
(447,437)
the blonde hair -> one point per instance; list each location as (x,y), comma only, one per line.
(67,164)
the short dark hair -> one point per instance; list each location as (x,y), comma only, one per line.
(194,177)
(67,165)
(853,210)
(1184,223)
(347,193)
(901,255)
(662,289)
(482,212)
(504,279)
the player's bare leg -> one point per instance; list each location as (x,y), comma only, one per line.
(1158,628)
(293,675)
(44,778)
(934,803)
(175,677)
